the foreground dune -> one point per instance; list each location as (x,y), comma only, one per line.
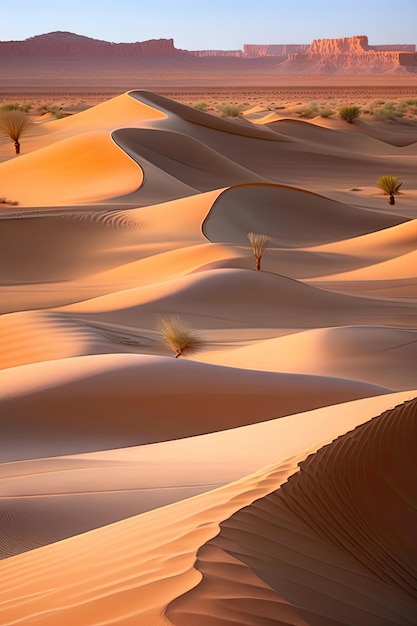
(227,486)
(104,577)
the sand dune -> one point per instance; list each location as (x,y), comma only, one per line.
(278,211)
(98,167)
(136,488)
(379,355)
(266,557)
(87,392)
(106,560)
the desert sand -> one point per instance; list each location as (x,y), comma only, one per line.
(267,477)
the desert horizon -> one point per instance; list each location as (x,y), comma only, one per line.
(208,296)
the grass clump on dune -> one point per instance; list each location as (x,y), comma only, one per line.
(229,110)
(349,113)
(390,185)
(201,106)
(313,110)
(259,243)
(177,336)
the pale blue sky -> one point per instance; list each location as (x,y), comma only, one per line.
(214,24)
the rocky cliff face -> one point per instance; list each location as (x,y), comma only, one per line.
(256,51)
(348,45)
(63,43)
(351,55)
(61,58)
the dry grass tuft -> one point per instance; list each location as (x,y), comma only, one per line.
(259,243)
(177,336)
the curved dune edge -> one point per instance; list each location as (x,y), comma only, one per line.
(346,520)
(84,168)
(133,569)
(200,118)
(224,298)
(398,268)
(181,157)
(155,398)
(278,210)
(375,354)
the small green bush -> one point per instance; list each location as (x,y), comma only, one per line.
(349,113)
(325,112)
(390,185)
(15,106)
(201,106)
(229,110)
(309,111)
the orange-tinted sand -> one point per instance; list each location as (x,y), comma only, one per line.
(268,477)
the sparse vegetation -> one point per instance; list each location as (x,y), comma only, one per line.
(349,113)
(9,202)
(201,106)
(229,110)
(177,336)
(389,110)
(259,243)
(13,124)
(309,111)
(15,106)
(53,109)
(325,112)
(390,185)
(313,110)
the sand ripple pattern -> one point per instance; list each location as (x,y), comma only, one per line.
(334,545)
(361,494)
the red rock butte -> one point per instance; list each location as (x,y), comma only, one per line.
(53,60)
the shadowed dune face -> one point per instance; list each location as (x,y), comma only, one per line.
(141,207)
(346,519)
(292,217)
(155,399)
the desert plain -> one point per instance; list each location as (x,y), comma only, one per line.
(268,476)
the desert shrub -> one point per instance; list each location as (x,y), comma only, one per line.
(259,243)
(309,111)
(349,113)
(325,112)
(389,111)
(390,185)
(201,106)
(176,335)
(15,106)
(229,110)
(10,202)
(13,124)
(54,109)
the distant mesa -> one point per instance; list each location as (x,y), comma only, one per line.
(64,43)
(351,55)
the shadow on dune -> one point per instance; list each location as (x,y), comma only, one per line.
(292,217)
(334,545)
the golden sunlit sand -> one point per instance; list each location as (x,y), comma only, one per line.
(269,475)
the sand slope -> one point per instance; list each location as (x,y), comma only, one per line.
(136,488)
(168,550)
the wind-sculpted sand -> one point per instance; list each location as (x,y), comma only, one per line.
(267,477)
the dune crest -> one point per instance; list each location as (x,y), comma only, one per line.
(336,523)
